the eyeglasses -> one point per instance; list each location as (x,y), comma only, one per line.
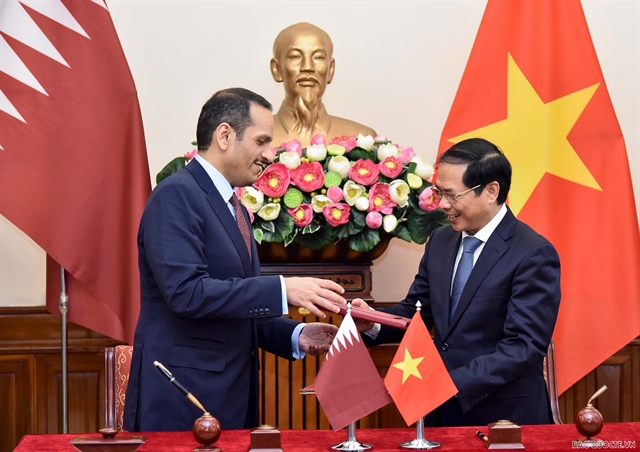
(439,194)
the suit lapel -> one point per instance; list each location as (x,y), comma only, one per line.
(450,250)
(493,250)
(222,212)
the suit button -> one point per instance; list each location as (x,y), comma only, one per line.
(250,312)
(261,311)
(266,311)
(444,347)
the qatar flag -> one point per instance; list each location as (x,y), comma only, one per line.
(348,385)
(73,165)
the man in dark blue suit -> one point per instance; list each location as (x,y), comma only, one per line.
(493,325)
(205,310)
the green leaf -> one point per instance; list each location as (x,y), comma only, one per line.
(194,143)
(421,225)
(359,153)
(317,240)
(402,232)
(288,239)
(357,222)
(364,241)
(258,234)
(282,227)
(173,166)
(311,228)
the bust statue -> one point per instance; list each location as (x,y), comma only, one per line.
(303,62)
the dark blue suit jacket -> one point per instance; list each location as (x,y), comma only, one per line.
(497,339)
(204,311)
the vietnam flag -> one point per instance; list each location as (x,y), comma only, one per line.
(417,380)
(534,87)
(73,166)
(348,385)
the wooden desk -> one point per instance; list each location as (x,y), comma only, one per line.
(624,436)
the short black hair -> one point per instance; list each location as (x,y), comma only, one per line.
(486,163)
(231,105)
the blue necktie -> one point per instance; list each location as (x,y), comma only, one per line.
(469,245)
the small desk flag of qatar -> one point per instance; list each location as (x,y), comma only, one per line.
(417,380)
(348,385)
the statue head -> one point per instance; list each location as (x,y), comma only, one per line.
(303,62)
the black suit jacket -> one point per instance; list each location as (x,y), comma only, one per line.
(496,341)
(204,311)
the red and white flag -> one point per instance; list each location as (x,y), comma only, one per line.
(348,385)
(73,165)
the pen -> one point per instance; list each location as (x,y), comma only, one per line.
(482,436)
(177,384)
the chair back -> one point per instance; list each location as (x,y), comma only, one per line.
(117,362)
(549,369)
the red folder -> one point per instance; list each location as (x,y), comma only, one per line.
(383,318)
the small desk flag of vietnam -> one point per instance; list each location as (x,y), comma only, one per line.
(533,86)
(417,380)
(348,385)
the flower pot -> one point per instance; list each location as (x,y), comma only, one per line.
(277,253)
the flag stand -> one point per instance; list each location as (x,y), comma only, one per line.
(351,444)
(63,348)
(420,443)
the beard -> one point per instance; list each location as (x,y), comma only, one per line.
(305,111)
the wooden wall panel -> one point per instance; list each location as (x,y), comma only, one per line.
(16,399)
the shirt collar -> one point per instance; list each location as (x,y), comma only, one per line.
(484,233)
(222,185)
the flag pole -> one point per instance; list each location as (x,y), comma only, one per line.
(64,299)
(351,444)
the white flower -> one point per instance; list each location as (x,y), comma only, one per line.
(352,192)
(318,202)
(423,168)
(365,143)
(389,223)
(252,198)
(362,203)
(340,165)
(269,212)
(387,150)
(290,159)
(399,192)
(316,152)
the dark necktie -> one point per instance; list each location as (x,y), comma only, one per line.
(469,245)
(242,222)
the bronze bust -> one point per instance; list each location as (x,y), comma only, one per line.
(303,62)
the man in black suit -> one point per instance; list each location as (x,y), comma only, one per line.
(205,308)
(494,310)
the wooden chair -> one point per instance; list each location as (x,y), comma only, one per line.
(117,361)
(549,369)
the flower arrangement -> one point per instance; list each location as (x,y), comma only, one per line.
(354,189)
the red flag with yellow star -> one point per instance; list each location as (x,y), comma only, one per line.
(417,379)
(534,87)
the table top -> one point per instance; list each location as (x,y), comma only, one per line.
(534,437)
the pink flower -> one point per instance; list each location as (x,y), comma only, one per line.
(309,176)
(318,139)
(274,180)
(334,194)
(406,155)
(380,138)
(348,142)
(190,155)
(302,215)
(336,213)
(380,198)
(275,151)
(427,200)
(390,167)
(364,172)
(293,146)
(239,191)
(374,220)
(251,216)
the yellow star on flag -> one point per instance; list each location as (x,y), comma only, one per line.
(534,136)
(409,366)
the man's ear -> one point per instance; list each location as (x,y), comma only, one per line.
(275,71)
(493,190)
(332,69)
(222,136)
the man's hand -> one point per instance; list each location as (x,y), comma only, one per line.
(316,338)
(315,294)
(362,325)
